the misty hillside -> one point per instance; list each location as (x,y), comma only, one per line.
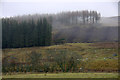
(78,26)
(103,22)
(109,21)
(88,34)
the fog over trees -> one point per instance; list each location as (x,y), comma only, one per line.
(77,17)
(46,29)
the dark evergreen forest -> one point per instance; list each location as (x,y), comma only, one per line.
(17,34)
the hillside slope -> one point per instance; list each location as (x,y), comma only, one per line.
(109,21)
(102,55)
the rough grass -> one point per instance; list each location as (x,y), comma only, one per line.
(91,50)
(64,75)
(96,56)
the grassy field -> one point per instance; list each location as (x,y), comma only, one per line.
(64,75)
(97,51)
(97,57)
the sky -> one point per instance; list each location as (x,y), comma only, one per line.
(107,8)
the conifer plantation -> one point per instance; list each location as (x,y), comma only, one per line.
(18,34)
